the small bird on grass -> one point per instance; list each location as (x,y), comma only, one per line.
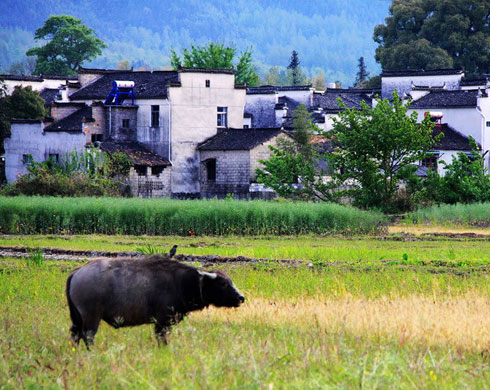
(172,251)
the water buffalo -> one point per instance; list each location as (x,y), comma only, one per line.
(128,292)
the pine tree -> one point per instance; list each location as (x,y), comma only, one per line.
(362,75)
(295,73)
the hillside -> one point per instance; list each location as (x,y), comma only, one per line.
(328,34)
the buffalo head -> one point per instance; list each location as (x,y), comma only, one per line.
(219,290)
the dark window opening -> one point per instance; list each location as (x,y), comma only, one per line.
(140,170)
(488,123)
(155,116)
(430,162)
(26,158)
(211,169)
(125,123)
(54,157)
(155,171)
(246,126)
(97,137)
(208,83)
(222,116)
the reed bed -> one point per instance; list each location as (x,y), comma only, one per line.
(474,214)
(49,215)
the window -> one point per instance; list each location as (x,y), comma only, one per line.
(26,158)
(54,157)
(97,137)
(222,116)
(430,162)
(140,170)
(488,123)
(125,123)
(208,83)
(246,126)
(155,116)
(156,170)
(211,169)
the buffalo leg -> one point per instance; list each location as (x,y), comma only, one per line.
(76,334)
(162,333)
(90,328)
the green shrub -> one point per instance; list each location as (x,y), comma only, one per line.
(475,214)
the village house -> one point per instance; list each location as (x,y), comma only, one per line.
(194,133)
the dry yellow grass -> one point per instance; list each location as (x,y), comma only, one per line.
(462,322)
(425,229)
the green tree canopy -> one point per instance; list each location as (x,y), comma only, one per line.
(70,44)
(374,149)
(362,73)
(23,103)
(435,34)
(218,56)
(296,75)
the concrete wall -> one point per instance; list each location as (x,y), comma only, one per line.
(154,138)
(232,173)
(29,138)
(150,185)
(403,83)
(114,119)
(99,124)
(194,119)
(262,109)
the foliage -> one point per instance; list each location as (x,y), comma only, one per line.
(36,258)
(28,215)
(374,149)
(295,73)
(470,214)
(290,171)
(373,82)
(124,65)
(362,73)
(23,103)
(465,179)
(70,44)
(318,81)
(89,173)
(217,56)
(435,34)
(275,76)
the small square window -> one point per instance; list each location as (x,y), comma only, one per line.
(208,83)
(246,126)
(125,123)
(488,123)
(26,158)
(54,157)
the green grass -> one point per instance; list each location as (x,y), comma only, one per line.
(238,348)
(475,214)
(360,250)
(30,215)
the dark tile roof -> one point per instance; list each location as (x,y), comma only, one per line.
(36,78)
(137,153)
(438,99)
(351,98)
(452,140)
(475,81)
(49,95)
(421,72)
(270,89)
(206,70)
(20,120)
(72,122)
(239,139)
(148,85)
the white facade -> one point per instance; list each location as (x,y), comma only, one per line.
(29,137)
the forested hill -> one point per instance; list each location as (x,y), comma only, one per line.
(328,34)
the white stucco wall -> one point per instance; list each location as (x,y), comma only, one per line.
(36,85)
(403,83)
(194,119)
(29,138)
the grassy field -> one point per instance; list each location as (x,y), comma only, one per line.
(367,313)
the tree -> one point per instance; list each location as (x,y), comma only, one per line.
(446,33)
(375,149)
(124,65)
(362,74)
(218,56)
(275,76)
(70,44)
(291,171)
(24,103)
(318,81)
(295,73)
